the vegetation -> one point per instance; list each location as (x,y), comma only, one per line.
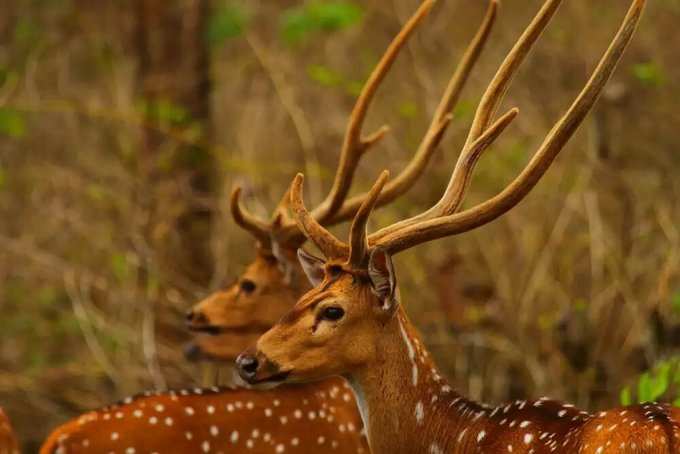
(114,192)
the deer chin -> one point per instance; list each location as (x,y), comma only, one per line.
(260,385)
(267,380)
(194,353)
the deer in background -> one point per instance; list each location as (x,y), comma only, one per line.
(352,323)
(8,440)
(278,420)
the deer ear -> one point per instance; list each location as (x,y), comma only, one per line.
(312,266)
(285,263)
(383,279)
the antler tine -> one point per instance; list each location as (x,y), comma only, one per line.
(310,227)
(554,142)
(247,220)
(354,146)
(440,121)
(453,197)
(499,84)
(358,242)
(280,214)
(471,156)
(455,191)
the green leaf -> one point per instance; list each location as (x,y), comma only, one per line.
(335,15)
(644,388)
(228,22)
(408,109)
(95,192)
(515,155)
(26,32)
(354,87)
(649,74)
(165,112)
(324,75)
(12,123)
(464,110)
(4,75)
(676,379)
(299,22)
(625,397)
(47,297)
(120,267)
(193,156)
(676,402)
(296,24)
(37,362)
(580,305)
(660,381)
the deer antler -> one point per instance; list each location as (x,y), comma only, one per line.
(447,221)
(354,146)
(438,126)
(358,245)
(310,227)
(442,220)
(246,220)
(335,208)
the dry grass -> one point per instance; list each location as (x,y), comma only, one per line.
(569,295)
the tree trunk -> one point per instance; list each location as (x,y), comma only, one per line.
(177,174)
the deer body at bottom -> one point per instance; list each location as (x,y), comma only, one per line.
(299,419)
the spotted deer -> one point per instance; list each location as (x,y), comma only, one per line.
(352,323)
(8,440)
(308,418)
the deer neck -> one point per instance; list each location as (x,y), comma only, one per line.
(405,403)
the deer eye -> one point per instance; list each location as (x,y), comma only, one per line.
(332,313)
(247,286)
(334,270)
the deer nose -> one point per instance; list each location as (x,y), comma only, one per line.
(247,365)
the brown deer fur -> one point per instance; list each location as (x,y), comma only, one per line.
(297,419)
(8,440)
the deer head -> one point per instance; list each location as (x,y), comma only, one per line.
(334,327)
(233,318)
(230,319)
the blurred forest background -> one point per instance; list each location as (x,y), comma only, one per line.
(124,124)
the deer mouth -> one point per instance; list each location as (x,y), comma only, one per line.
(216,330)
(203,328)
(276,378)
